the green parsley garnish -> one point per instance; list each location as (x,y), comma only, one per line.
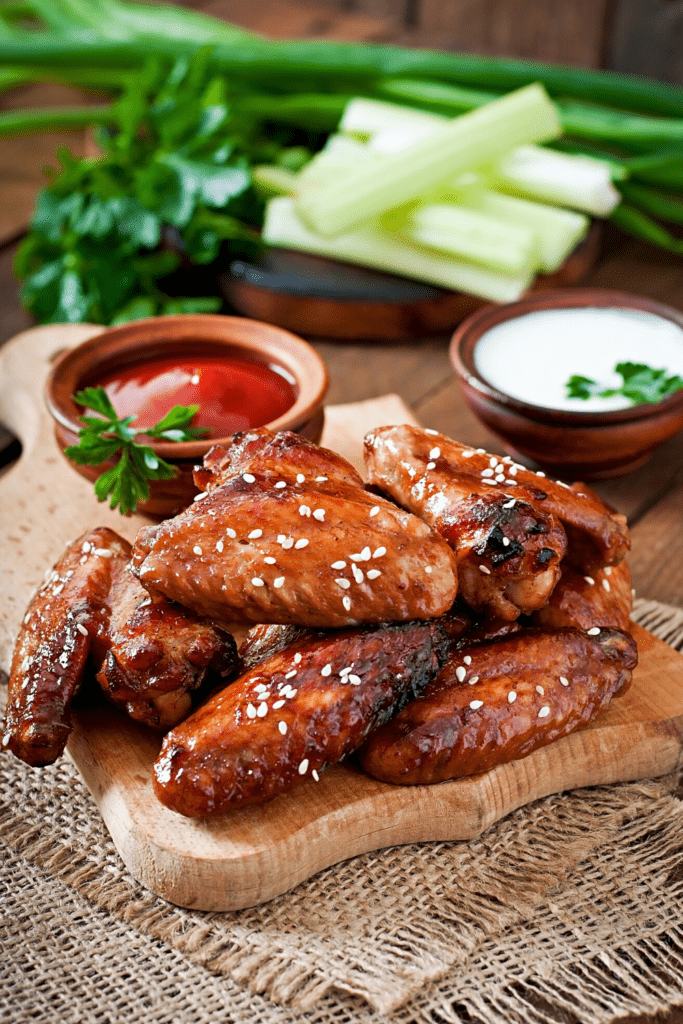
(641,384)
(106,436)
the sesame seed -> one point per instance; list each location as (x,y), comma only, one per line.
(431,465)
(435,453)
(491,482)
(297,658)
(103,552)
(288,543)
(200,496)
(304,510)
(564,680)
(315,775)
(231,533)
(485,570)
(511,483)
(500,478)
(539,689)
(467,455)
(341,582)
(81,628)
(278,704)
(57,590)
(374,510)
(506,542)
(339,565)
(303,767)
(606,585)
(544,712)
(257,582)
(255,534)
(563,484)
(431,432)
(280,484)
(326,671)
(510,503)
(346,601)
(354,680)
(303,543)
(262,709)
(269,560)
(376,554)
(86,547)
(428,570)
(300,478)
(540,473)
(473,680)
(197,550)
(6,738)
(607,570)
(365,553)
(249,478)
(357,574)
(291,692)
(251,711)
(475,704)
(319,514)
(282,726)
(467,659)
(512,697)
(512,471)
(589,579)
(321,479)
(493,462)
(460,673)
(594,631)
(260,687)
(481,451)
(290,674)
(219,546)
(279,582)
(487,472)
(345,671)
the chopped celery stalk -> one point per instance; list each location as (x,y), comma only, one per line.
(473,236)
(557,231)
(371,246)
(484,135)
(575,181)
(367,118)
(271,180)
(338,155)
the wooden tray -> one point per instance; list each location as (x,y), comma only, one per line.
(249,856)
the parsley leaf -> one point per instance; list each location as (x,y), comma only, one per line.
(104,437)
(641,384)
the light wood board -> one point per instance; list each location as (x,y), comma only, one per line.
(251,855)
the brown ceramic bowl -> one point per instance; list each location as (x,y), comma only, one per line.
(201,334)
(574,445)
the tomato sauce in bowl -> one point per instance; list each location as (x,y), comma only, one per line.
(232,394)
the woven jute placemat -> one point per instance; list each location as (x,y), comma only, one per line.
(573,903)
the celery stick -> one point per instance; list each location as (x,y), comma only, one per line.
(371,246)
(575,181)
(557,231)
(271,180)
(367,118)
(473,236)
(338,156)
(481,136)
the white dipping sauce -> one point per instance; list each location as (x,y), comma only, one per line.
(532,357)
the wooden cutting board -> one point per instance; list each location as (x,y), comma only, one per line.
(251,855)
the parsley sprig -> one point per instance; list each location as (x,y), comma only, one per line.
(640,384)
(106,436)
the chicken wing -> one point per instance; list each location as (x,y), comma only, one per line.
(497,702)
(603,599)
(295,713)
(286,533)
(508,549)
(148,654)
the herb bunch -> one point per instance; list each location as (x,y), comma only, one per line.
(106,437)
(640,384)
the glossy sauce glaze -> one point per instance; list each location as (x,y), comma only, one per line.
(232,394)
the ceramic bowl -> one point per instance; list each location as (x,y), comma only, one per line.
(122,347)
(574,445)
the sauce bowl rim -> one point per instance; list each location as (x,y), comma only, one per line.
(471,330)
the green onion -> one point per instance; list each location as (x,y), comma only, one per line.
(55,119)
(523,116)
(634,222)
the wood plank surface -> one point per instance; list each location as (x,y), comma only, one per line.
(253,854)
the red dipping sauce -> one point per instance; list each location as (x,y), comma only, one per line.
(232,394)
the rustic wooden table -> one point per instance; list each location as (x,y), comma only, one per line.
(420,372)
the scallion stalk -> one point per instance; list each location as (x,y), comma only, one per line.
(54,119)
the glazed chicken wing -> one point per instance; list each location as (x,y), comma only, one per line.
(508,549)
(292,715)
(148,654)
(603,599)
(497,702)
(286,533)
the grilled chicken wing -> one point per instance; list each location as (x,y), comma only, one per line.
(497,702)
(508,549)
(286,533)
(603,599)
(147,653)
(295,713)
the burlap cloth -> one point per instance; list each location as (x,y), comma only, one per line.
(573,903)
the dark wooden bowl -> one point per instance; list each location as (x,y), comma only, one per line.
(200,334)
(324,298)
(573,445)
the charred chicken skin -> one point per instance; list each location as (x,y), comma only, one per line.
(148,655)
(286,533)
(297,712)
(497,702)
(508,550)
(603,599)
